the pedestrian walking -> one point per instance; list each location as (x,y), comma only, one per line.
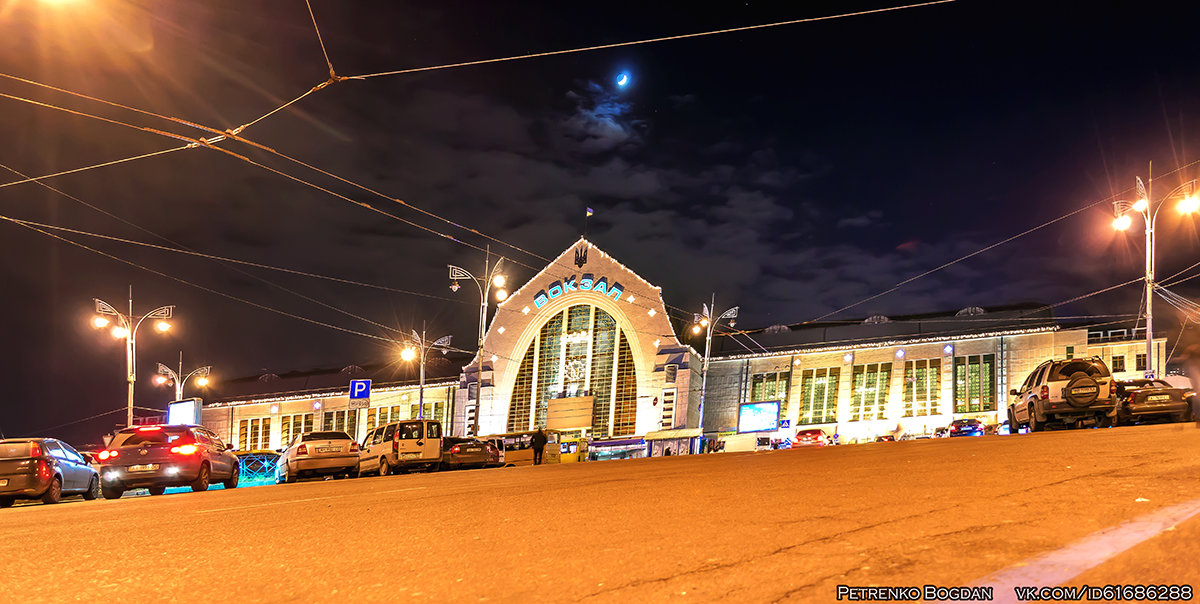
(539,445)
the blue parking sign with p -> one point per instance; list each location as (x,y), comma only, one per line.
(360,390)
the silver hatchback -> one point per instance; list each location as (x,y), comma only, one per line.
(312,454)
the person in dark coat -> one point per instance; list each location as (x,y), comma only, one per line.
(539,445)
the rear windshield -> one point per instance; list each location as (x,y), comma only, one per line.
(324,436)
(129,438)
(412,431)
(1070,368)
(14,450)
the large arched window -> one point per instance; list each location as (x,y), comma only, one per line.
(580,352)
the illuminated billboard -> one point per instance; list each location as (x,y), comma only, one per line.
(186,411)
(758,417)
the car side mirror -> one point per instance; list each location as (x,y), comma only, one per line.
(228,446)
(1014,392)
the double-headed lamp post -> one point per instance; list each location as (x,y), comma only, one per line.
(166,374)
(705,322)
(1148,209)
(419,346)
(127,327)
(492,277)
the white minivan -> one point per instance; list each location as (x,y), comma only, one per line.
(401,446)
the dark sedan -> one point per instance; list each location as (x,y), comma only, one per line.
(43,468)
(465,453)
(157,457)
(1138,400)
(966,427)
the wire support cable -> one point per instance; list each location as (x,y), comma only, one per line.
(647,40)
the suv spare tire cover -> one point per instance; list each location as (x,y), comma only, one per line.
(1082,390)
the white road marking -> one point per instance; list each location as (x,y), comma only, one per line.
(1060,566)
(287,501)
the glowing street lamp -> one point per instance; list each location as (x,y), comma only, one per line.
(418,345)
(167,375)
(126,328)
(491,278)
(1148,210)
(705,322)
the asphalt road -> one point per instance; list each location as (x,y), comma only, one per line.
(747,527)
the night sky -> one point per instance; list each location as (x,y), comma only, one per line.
(792,170)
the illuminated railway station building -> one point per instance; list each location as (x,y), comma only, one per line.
(588,347)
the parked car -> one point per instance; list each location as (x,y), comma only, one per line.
(965,427)
(318,454)
(400,446)
(43,468)
(459,453)
(885,438)
(496,451)
(942,432)
(1144,399)
(157,457)
(812,437)
(1071,392)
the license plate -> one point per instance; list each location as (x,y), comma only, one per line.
(3,482)
(471,450)
(411,455)
(329,449)
(1159,397)
(1084,390)
(143,467)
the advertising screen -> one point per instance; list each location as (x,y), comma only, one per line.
(758,417)
(186,411)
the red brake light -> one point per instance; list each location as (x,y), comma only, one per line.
(1045,392)
(354,447)
(302,450)
(149,428)
(454,449)
(187,449)
(35,449)
(43,468)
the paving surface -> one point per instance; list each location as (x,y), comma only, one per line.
(746,527)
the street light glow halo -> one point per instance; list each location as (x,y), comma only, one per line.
(100,322)
(119,332)
(499,280)
(408,354)
(162,326)
(1122,222)
(1141,205)
(1189,204)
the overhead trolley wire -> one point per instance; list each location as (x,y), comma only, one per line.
(198,286)
(198,254)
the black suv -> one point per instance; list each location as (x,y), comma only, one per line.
(1071,392)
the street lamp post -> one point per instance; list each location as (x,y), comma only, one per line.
(1148,210)
(127,327)
(484,284)
(704,321)
(422,349)
(166,374)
